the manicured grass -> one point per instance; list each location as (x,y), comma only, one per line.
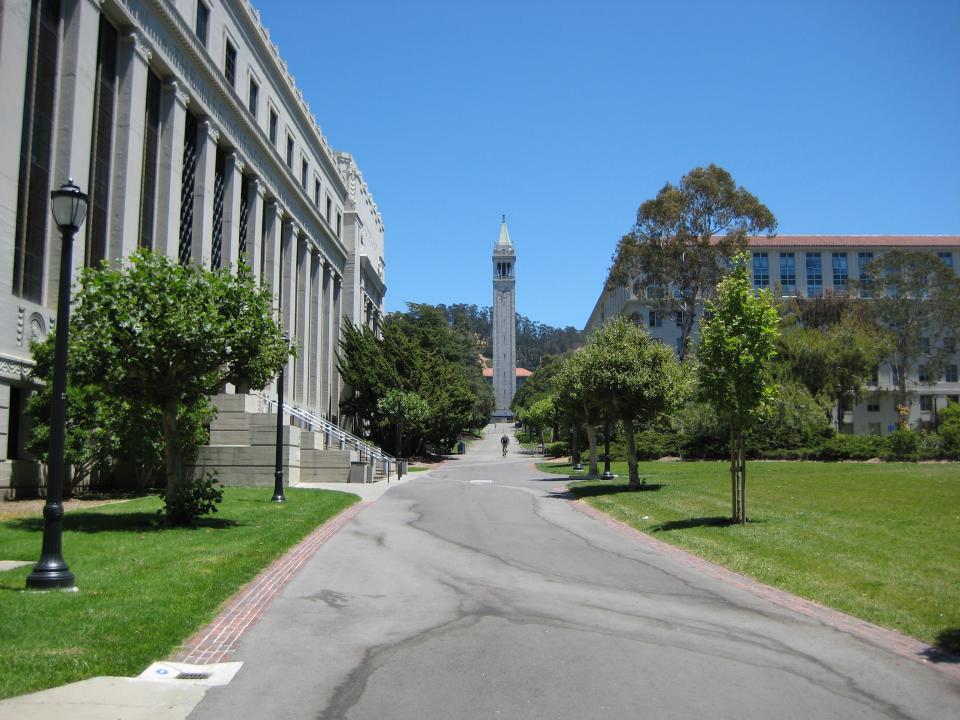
(878,541)
(143,590)
(416,468)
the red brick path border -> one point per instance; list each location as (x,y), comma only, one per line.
(216,641)
(887,639)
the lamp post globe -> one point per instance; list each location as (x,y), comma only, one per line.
(69,208)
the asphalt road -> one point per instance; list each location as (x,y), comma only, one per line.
(477,593)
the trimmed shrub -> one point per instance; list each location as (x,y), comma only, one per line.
(903,444)
(558,448)
(850,447)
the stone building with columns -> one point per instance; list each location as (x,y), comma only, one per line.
(182,122)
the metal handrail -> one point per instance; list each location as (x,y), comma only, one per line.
(334,431)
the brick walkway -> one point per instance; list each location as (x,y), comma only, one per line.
(887,639)
(216,641)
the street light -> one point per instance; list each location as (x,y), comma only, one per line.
(278,495)
(69,207)
(607,475)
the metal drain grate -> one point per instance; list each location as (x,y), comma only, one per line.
(194,676)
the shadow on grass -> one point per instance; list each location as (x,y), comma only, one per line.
(715,521)
(612,489)
(90,522)
(946,649)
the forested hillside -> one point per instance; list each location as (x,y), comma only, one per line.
(535,340)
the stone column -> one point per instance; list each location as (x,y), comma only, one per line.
(173,113)
(273,220)
(255,193)
(202,247)
(127,167)
(233,181)
(313,336)
(336,323)
(325,337)
(288,283)
(302,318)
(74,122)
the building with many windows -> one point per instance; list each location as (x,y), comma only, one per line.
(182,122)
(808,266)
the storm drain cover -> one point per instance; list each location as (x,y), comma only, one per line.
(193,676)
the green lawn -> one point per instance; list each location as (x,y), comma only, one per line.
(142,590)
(878,541)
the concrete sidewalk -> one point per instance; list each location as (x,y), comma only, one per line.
(166,695)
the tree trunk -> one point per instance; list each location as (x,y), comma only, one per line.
(399,439)
(592,441)
(171,446)
(631,454)
(734,480)
(741,457)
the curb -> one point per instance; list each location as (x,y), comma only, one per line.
(217,640)
(887,639)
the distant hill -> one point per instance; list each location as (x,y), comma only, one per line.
(534,340)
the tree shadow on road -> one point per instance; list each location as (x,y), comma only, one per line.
(946,649)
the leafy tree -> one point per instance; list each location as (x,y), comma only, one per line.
(916,298)
(406,411)
(577,404)
(633,377)
(682,241)
(421,354)
(834,362)
(168,336)
(950,430)
(540,415)
(737,343)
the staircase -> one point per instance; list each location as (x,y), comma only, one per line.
(242,447)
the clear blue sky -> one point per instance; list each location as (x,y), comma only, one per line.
(842,116)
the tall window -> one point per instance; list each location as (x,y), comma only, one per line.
(187,184)
(219,181)
(289,151)
(840,271)
(303,173)
(33,190)
(273,127)
(203,21)
(864,259)
(151,146)
(253,97)
(105,90)
(244,219)
(230,64)
(788,273)
(339,223)
(329,210)
(316,192)
(947,258)
(950,374)
(656,320)
(761,270)
(814,275)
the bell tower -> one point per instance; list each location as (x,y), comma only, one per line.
(504,323)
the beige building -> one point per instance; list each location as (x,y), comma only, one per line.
(182,122)
(808,266)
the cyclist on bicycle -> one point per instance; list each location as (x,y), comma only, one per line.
(504,441)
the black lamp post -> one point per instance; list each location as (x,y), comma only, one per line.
(278,495)
(839,389)
(69,207)
(607,475)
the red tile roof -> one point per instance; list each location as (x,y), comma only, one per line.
(521,372)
